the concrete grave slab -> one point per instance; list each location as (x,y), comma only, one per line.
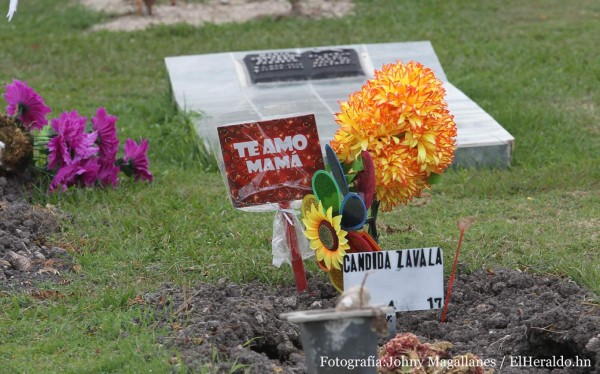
(218,86)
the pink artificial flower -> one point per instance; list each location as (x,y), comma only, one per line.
(89,172)
(71,143)
(136,161)
(64,177)
(81,172)
(104,125)
(26,104)
(108,174)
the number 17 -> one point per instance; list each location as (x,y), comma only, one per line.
(437,302)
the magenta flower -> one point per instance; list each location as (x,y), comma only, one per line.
(88,172)
(26,105)
(64,177)
(108,174)
(80,172)
(71,143)
(104,125)
(136,161)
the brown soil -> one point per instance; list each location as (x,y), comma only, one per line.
(127,18)
(495,315)
(26,256)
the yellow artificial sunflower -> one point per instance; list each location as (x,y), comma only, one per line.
(400,117)
(326,236)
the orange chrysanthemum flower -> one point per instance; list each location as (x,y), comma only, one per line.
(400,116)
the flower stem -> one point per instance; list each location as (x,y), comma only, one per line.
(372,221)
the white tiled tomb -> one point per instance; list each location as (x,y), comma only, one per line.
(219,87)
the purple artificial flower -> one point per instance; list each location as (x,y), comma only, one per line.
(108,174)
(104,125)
(89,172)
(64,177)
(80,172)
(71,142)
(136,161)
(26,104)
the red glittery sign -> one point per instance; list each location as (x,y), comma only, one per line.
(270,161)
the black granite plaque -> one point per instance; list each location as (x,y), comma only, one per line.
(333,63)
(291,66)
(275,67)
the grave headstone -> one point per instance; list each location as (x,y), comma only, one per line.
(238,87)
(292,66)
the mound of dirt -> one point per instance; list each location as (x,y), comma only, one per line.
(127,17)
(498,316)
(25,257)
(216,327)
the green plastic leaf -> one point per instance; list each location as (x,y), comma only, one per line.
(356,166)
(351,177)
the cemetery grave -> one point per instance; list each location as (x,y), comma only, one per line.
(493,313)
(262,85)
(244,95)
(265,122)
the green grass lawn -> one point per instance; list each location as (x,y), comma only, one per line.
(533,65)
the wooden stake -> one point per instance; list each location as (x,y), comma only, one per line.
(463,225)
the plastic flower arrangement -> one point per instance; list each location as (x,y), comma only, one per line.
(400,117)
(70,151)
(395,132)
